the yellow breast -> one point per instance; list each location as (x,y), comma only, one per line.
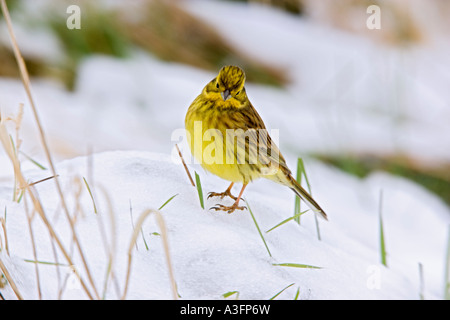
(207,138)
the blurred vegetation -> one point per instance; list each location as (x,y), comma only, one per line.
(436,179)
(165,30)
(8,67)
(402,23)
(292,6)
(172,34)
(159,27)
(99,34)
(35,66)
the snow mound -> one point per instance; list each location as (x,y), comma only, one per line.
(213,253)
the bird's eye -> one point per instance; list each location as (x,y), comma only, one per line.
(217,85)
(238,92)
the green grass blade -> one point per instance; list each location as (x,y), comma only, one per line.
(447,269)
(142,232)
(154,233)
(276,295)
(145,241)
(257,227)
(37,164)
(317,227)
(287,220)
(46,263)
(382,239)
(20,196)
(301,171)
(297,294)
(90,193)
(229,294)
(296,265)
(310,192)
(170,199)
(297,207)
(199,189)
(421,283)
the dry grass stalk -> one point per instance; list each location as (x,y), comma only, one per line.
(163,229)
(32,192)
(11,152)
(170,32)
(10,280)
(42,180)
(5,235)
(110,247)
(33,244)
(185,167)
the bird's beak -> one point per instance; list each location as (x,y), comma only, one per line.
(225,95)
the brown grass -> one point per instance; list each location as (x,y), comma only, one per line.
(30,190)
(35,210)
(402,22)
(173,34)
(162,226)
(161,28)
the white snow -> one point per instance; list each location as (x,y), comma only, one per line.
(214,253)
(347,94)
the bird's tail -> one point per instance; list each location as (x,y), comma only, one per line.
(305,196)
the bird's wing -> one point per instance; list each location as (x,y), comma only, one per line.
(252,134)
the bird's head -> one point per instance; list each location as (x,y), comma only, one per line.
(230,82)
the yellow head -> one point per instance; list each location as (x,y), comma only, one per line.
(229,84)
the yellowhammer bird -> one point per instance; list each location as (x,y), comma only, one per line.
(228,137)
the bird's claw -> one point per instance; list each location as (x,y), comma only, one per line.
(221,195)
(230,209)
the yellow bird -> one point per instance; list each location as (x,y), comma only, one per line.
(229,139)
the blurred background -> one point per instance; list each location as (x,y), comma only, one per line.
(356,98)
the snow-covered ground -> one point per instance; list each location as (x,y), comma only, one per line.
(214,253)
(347,94)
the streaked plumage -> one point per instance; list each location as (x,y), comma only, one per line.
(242,150)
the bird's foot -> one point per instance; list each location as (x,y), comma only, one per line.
(222,195)
(228,209)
